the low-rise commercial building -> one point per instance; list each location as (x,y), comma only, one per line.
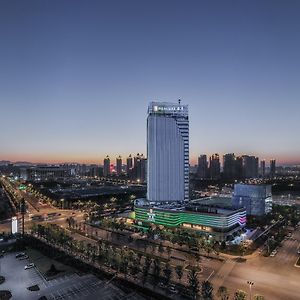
(46,173)
(218,222)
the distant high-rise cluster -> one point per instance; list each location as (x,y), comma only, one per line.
(234,167)
(139,168)
(272,168)
(135,168)
(263,168)
(106,166)
(119,165)
(202,170)
(214,166)
(129,164)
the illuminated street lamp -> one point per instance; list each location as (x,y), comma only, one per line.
(62,202)
(250,283)
(23,211)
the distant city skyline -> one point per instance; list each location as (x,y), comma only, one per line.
(100,161)
(76,78)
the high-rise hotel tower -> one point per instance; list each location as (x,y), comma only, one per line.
(168,152)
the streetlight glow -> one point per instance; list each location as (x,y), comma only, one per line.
(250,283)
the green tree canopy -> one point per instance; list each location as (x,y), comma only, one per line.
(240,295)
(207,290)
(222,293)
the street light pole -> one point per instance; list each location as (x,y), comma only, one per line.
(23,211)
(250,283)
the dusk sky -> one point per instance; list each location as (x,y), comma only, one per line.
(76,77)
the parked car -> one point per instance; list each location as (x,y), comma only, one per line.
(23,257)
(172,289)
(20,254)
(29,266)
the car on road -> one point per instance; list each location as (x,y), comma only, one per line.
(273,253)
(298,251)
(29,266)
(20,254)
(187,294)
(172,289)
(23,257)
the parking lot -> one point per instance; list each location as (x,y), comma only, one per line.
(71,286)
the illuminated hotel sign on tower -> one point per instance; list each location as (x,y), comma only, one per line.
(167,152)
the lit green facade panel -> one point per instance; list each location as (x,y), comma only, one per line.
(177,218)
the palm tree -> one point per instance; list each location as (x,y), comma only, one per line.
(140,255)
(201,243)
(167,273)
(132,198)
(207,290)
(193,282)
(179,272)
(240,295)
(34,228)
(208,248)
(85,217)
(146,268)
(156,271)
(160,248)
(68,221)
(169,251)
(124,265)
(223,293)
(113,199)
(135,263)
(242,248)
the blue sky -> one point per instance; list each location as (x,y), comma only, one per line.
(76,76)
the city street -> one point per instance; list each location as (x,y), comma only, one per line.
(276,277)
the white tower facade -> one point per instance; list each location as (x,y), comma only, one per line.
(167,152)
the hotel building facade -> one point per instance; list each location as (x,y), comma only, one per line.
(168,152)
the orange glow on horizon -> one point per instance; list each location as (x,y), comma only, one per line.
(92,158)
